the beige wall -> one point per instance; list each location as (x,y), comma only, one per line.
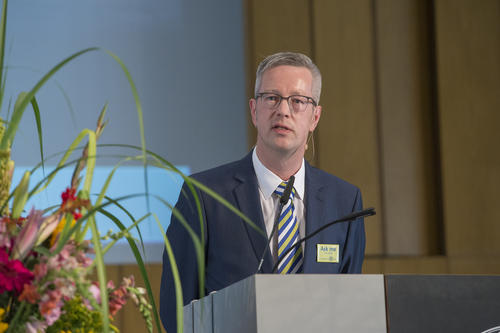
(411,114)
(468,62)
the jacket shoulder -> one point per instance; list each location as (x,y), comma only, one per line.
(227,175)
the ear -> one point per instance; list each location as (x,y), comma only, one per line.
(315,118)
(253,106)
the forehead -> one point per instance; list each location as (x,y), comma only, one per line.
(287,80)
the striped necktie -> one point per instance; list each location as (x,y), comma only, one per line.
(288,234)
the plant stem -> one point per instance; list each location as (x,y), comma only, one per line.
(16,317)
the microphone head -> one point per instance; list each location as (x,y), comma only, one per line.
(370,211)
(288,189)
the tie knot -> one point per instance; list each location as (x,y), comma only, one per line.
(281,188)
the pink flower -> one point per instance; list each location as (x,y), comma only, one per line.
(50,306)
(13,274)
(64,259)
(96,292)
(66,287)
(118,297)
(40,270)
(5,239)
(47,227)
(28,235)
(35,325)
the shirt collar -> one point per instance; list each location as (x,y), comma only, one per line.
(268,181)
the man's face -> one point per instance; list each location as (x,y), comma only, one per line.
(281,130)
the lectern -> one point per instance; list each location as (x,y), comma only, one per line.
(292,303)
(350,303)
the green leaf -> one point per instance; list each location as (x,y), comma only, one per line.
(101,274)
(20,196)
(36,110)
(177,280)
(43,250)
(64,234)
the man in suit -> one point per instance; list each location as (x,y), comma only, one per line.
(285,112)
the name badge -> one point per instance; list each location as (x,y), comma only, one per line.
(327,253)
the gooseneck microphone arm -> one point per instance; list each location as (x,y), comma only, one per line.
(347,218)
(283,200)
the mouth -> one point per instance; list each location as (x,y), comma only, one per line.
(279,127)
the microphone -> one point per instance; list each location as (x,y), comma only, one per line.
(348,218)
(283,200)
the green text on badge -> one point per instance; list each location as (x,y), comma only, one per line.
(327,253)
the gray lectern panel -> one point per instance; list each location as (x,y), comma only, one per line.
(302,303)
(188,318)
(321,303)
(443,303)
(234,308)
(202,315)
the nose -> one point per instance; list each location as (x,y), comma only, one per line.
(284,108)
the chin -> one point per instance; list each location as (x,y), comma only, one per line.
(287,149)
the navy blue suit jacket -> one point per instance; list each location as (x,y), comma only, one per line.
(233,248)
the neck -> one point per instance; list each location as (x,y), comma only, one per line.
(284,165)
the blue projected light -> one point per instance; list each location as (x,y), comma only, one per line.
(126,180)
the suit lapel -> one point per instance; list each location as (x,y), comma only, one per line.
(315,209)
(247,198)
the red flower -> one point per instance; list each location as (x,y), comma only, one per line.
(29,294)
(13,274)
(72,204)
(69,194)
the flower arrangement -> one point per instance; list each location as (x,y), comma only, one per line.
(46,264)
(45,268)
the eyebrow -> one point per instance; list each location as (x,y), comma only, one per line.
(274,91)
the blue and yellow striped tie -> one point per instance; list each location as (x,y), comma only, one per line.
(288,234)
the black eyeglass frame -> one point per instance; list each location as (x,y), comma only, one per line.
(309,99)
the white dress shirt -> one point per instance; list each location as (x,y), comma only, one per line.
(268,182)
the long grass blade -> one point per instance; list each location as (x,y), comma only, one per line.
(105,188)
(136,99)
(177,280)
(141,265)
(169,166)
(198,243)
(140,120)
(36,110)
(87,183)
(125,231)
(101,274)
(2,89)
(72,147)
(68,103)
(3,25)
(20,195)
(78,224)
(19,108)
(123,209)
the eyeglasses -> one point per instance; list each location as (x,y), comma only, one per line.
(297,103)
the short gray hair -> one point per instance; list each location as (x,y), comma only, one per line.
(290,59)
